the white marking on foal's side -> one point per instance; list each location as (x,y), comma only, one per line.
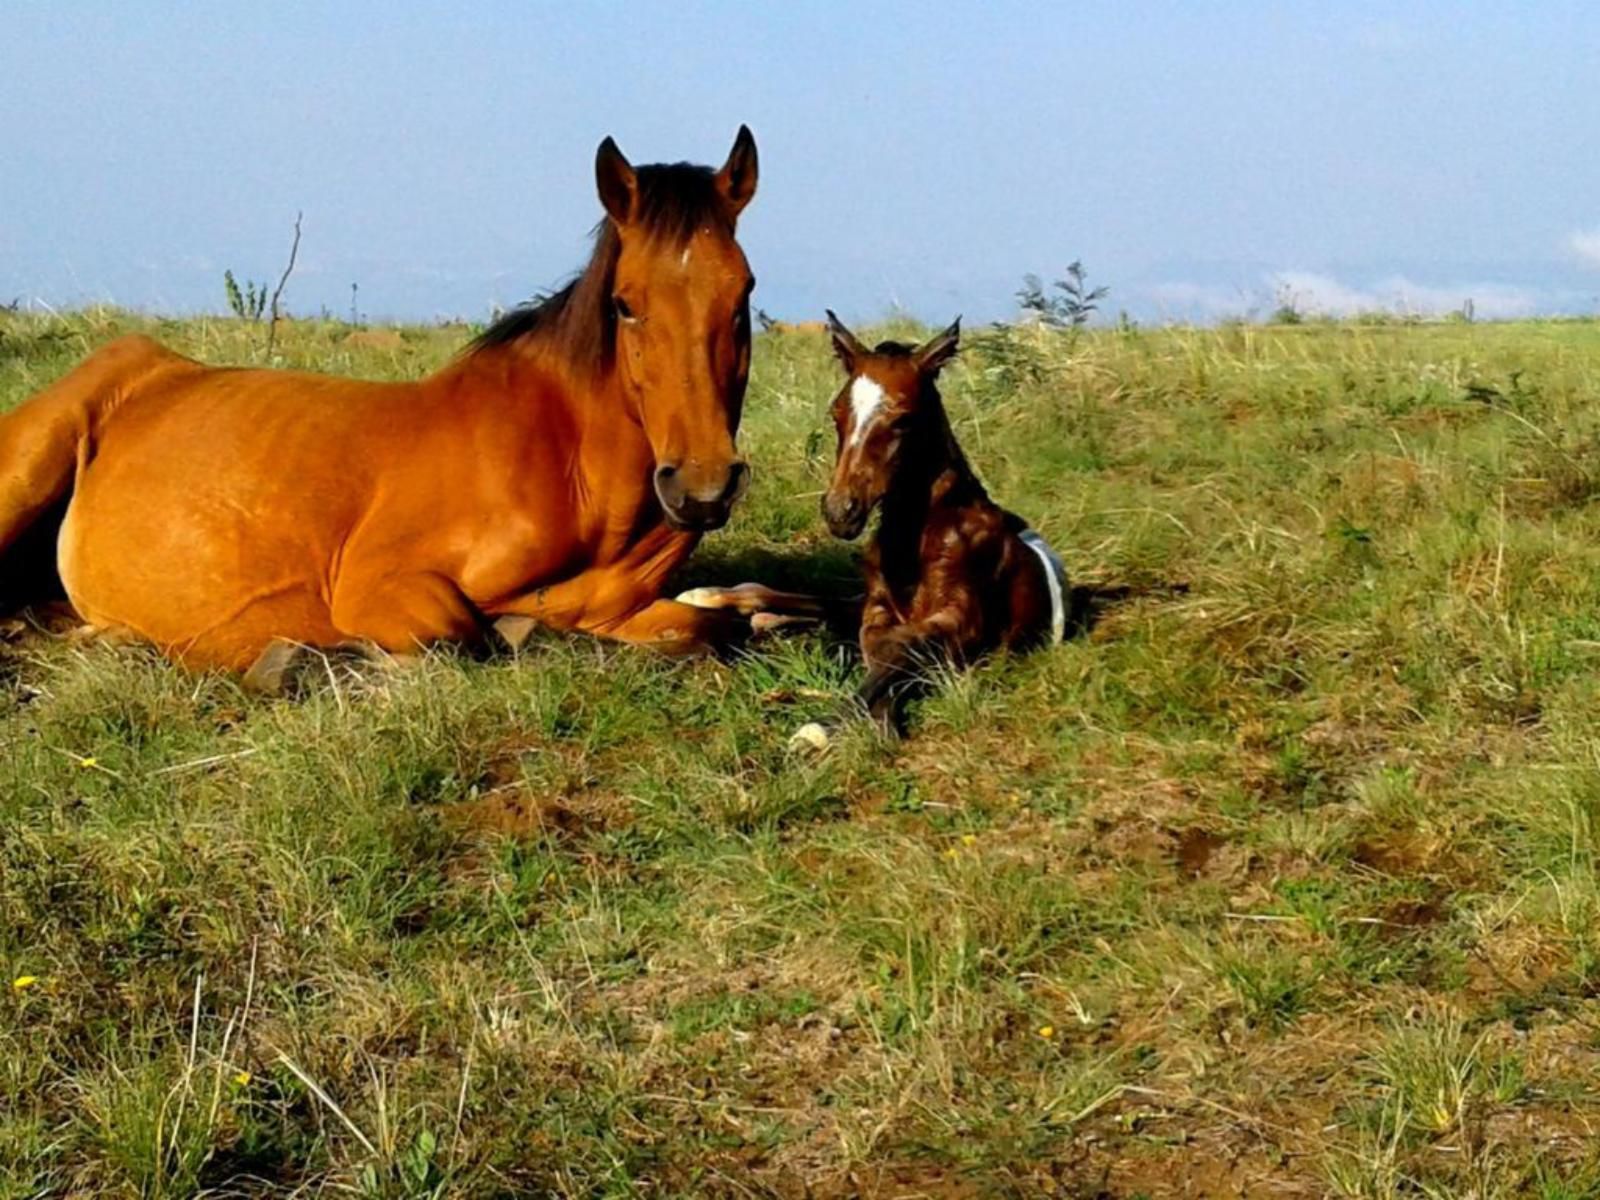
(687,251)
(1055,578)
(866,397)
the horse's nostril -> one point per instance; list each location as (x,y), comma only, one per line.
(666,471)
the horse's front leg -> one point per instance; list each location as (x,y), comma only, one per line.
(623,611)
(766,607)
(679,628)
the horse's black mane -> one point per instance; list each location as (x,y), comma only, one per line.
(673,200)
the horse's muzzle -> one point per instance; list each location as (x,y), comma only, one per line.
(705,502)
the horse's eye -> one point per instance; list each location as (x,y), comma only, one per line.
(624,310)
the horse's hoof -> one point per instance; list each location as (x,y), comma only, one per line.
(811,738)
(273,672)
(515,630)
(763,623)
(700,597)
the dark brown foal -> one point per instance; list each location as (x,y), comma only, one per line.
(950,574)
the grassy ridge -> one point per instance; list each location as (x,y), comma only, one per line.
(1280,877)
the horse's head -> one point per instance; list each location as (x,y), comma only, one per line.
(680,295)
(886,414)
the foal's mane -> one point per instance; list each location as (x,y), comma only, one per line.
(578,322)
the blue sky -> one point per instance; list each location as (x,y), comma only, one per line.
(1199,158)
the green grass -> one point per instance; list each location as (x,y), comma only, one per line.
(1280,879)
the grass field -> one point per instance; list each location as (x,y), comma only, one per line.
(1279,879)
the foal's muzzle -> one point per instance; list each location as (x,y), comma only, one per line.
(697,498)
(846,516)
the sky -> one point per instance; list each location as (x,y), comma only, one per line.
(1201,160)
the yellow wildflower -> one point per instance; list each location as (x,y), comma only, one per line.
(24,982)
(950,853)
(88,763)
(1047,1031)
(969,839)
(242,1078)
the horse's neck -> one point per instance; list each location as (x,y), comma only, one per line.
(531,377)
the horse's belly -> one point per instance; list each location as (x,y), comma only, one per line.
(195,571)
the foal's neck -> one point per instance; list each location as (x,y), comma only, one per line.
(934,477)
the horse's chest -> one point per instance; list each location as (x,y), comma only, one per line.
(521,547)
(510,552)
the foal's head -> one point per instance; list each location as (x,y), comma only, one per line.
(887,414)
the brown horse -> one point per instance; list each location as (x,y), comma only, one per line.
(555,473)
(950,574)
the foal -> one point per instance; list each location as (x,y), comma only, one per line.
(950,574)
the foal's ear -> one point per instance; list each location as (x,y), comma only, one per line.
(938,350)
(737,179)
(614,177)
(844,342)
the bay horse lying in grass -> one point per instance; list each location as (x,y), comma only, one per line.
(555,473)
(950,574)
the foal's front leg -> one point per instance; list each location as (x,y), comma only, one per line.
(897,657)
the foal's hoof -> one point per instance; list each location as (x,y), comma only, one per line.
(274,671)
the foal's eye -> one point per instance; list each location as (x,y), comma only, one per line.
(623,309)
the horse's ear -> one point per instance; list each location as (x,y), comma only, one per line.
(614,177)
(939,349)
(737,179)
(844,342)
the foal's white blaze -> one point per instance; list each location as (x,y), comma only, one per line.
(866,397)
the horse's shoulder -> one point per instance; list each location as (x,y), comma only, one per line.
(132,347)
(136,354)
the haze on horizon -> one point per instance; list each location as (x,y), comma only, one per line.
(1201,164)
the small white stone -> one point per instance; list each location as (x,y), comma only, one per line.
(810,736)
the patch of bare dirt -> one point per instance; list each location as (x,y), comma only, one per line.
(1195,849)
(514,812)
(1403,916)
(1207,1167)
